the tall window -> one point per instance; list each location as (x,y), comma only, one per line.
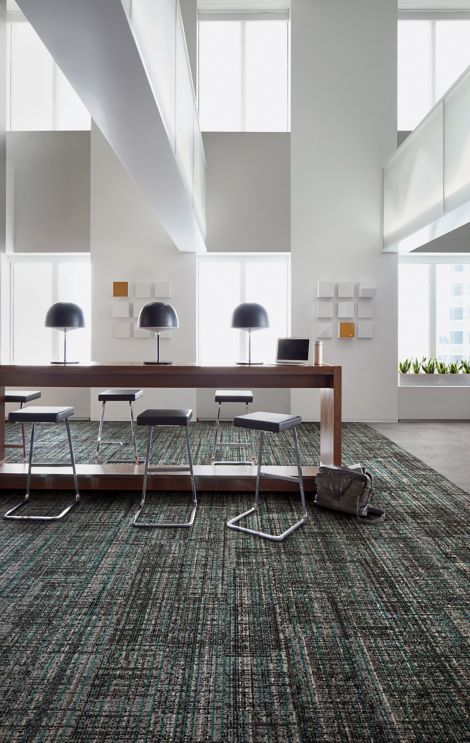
(36,282)
(432,54)
(244,75)
(39,96)
(434,310)
(224,281)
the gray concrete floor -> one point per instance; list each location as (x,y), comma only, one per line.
(444,445)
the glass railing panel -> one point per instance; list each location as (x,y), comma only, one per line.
(457,144)
(413,180)
(199,176)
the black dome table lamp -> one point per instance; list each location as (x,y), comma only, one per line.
(65,316)
(158,316)
(250,316)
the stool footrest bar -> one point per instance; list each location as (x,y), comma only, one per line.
(8,514)
(233,524)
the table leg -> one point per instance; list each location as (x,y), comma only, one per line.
(2,424)
(330,422)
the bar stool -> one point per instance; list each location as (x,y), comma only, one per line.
(41,414)
(21,396)
(273,423)
(152,418)
(231,396)
(113,395)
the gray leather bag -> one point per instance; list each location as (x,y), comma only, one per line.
(348,490)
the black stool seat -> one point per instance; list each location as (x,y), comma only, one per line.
(40,414)
(21,396)
(165,417)
(233,396)
(274,422)
(120,395)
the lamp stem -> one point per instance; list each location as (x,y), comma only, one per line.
(158,347)
(249,345)
(65,345)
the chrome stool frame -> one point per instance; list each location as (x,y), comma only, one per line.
(233,523)
(31,464)
(232,396)
(106,397)
(159,468)
(21,397)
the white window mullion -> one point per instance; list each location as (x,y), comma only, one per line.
(243,74)
(432,311)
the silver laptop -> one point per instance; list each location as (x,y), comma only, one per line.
(293,350)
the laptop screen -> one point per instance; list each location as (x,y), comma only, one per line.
(293,349)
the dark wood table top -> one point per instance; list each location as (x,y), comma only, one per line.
(116,374)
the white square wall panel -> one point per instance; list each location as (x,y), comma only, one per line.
(346,289)
(325,309)
(325,289)
(365,329)
(142,333)
(162,289)
(120,309)
(122,330)
(365,310)
(345,309)
(324,330)
(143,289)
(366,290)
(137,306)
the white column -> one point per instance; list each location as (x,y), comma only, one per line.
(343,130)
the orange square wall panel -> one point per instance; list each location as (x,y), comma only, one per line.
(120,288)
(346,330)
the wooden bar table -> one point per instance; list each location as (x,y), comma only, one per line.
(135,375)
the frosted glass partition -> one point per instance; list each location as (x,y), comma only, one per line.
(427,180)
(413,178)
(457,144)
(154,25)
(184,109)
(199,177)
(158,31)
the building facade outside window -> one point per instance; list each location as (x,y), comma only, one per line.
(434,309)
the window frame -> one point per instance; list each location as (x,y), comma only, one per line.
(244,18)
(13,19)
(243,258)
(12,259)
(433,17)
(432,260)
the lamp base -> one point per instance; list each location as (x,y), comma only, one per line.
(160,363)
(250,363)
(64,363)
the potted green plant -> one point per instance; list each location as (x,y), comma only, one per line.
(454,374)
(412,372)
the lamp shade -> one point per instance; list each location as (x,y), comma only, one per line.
(65,315)
(157,316)
(250,315)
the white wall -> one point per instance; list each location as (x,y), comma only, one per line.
(248,191)
(48,176)
(129,244)
(343,130)
(433,403)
